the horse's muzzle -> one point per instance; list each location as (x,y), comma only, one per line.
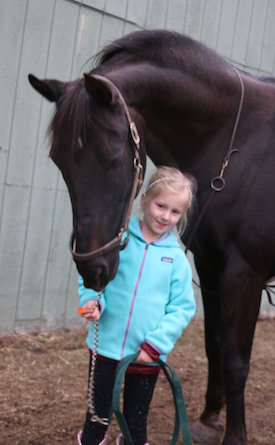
(96,275)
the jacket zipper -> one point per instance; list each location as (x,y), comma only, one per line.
(133,299)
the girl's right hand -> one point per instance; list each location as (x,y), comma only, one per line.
(90,311)
(143,357)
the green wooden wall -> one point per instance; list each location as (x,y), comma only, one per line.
(55,38)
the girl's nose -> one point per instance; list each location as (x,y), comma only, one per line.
(166,215)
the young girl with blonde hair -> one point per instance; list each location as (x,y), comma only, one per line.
(144,308)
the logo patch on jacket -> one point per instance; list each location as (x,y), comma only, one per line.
(166,259)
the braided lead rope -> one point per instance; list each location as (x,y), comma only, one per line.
(91,387)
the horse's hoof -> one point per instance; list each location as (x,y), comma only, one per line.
(205,435)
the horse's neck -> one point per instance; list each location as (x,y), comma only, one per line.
(180,114)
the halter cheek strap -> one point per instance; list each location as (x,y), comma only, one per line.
(137,183)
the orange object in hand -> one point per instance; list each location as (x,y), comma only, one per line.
(82,311)
(87,310)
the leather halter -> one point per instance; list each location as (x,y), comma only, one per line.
(137,183)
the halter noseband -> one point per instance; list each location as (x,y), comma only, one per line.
(137,183)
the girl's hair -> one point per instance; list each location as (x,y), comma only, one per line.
(170,179)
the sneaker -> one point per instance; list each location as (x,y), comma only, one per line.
(120,439)
(79,434)
(103,442)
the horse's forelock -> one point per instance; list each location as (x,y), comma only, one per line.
(70,119)
(75,116)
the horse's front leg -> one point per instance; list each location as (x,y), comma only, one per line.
(240,302)
(209,430)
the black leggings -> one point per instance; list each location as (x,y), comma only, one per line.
(138,393)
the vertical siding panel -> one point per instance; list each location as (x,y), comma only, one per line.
(20,164)
(211,23)
(12,237)
(88,37)
(137,11)
(35,260)
(111,29)
(267,54)
(156,15)
(59,265)
(98,4)
(43,192)
(242,29)
(256,34)
(116,8)
(194,18)
(72,301)
(35,46)
(176,15)
(4,154)
(63,38)
(228,21)
(12,16)
(129,27)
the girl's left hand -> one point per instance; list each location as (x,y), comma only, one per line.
(143,357)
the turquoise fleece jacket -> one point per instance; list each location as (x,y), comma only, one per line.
(150,299)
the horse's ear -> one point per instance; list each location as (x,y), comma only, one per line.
(97,87)
(48,88)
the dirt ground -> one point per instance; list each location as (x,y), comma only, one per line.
(43,381)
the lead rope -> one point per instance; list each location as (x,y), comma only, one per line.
(91,386)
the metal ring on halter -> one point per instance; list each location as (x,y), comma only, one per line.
(218,183)
(125,241)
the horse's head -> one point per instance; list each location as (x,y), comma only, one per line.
(100,165)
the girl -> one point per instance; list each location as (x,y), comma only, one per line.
(144,309)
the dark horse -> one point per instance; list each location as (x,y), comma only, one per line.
(193,111)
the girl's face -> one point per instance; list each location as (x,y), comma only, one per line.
(162,213)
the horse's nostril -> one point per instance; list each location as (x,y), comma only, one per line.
(95,276)
(100,274)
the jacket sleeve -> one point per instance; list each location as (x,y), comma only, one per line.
(179,310)
(86,294)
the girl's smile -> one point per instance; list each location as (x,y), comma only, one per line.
(162,213)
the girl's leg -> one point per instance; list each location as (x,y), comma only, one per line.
(138,393)
(93,432)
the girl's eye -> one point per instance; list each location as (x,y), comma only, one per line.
(176,212)
(160,205)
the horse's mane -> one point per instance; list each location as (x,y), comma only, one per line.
(140,41)
(156,44)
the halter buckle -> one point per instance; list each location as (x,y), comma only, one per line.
(134,133)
